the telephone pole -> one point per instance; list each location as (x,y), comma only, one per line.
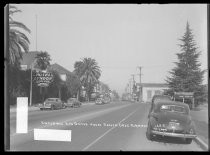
(36,32)
(133,88)
(139,67)
(133,78)
(140,88)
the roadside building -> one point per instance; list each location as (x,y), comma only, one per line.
(62,72)
(28,60)
(148,90)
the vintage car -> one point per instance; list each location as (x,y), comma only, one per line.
(99,101)
(73,102)
(103,99)
(170,118)
(52,103)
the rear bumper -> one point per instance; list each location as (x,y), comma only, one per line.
(44,107)
(170,134)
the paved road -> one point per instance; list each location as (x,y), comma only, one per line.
(111,127)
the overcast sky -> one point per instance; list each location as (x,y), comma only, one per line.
(118,37)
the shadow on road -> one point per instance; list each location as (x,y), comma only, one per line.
(170,140)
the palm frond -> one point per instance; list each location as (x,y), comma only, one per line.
(22,35)
(19,25)
(24,44)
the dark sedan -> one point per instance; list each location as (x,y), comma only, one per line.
(52,103)
(170,118)
(73,102)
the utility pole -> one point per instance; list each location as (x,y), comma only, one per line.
(139,67)
(36,32)
(133,85)
(140,88)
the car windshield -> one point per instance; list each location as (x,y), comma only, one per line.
(173,108)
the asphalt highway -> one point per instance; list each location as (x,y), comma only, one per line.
(118,126)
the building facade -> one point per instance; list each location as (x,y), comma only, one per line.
(148,90)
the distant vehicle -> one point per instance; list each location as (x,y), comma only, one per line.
(99,101)
(73,102)
(52,103)
(103,99)
(170,118)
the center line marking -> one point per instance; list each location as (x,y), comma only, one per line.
(107,131)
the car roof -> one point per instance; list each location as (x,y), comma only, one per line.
(53,98)
(161,102)
(161,96)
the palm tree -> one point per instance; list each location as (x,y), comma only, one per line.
(42,60)
(17,39)
(88,72)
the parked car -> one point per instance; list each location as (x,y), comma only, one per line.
(170,118)
(103,99)
(99,101)
(52,103)
(73,102)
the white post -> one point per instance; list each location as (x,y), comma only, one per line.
(22,115)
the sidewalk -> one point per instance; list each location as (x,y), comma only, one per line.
(200,117)
(35,107)
(32,108)
(88,103)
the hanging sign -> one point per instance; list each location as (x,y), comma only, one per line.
(184,94)
(43,79)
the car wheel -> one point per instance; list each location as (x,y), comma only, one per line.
(41,108)
(148,133)
(188,140)
(52,107)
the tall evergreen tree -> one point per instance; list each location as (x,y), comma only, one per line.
(187,75)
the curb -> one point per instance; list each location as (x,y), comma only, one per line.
(201,143)
(29,109)
(91,103)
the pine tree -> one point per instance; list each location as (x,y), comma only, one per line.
(187,75)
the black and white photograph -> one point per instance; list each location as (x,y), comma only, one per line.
(106,77)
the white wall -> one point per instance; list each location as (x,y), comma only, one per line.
(153,89)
